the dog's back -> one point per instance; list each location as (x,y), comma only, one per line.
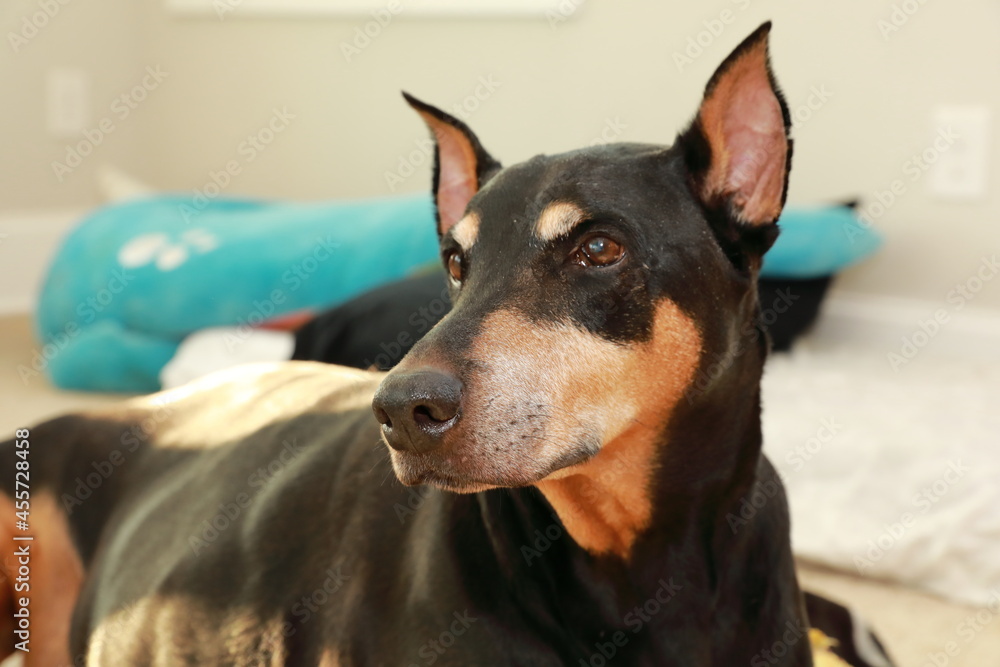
(104,492)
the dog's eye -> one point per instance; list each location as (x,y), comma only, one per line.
(454,262)
(598,251)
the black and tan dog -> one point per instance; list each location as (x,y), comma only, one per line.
(578,437)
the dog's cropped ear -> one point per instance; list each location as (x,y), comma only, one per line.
(738,151)
(461,164)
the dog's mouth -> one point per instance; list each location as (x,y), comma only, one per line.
(473,472)
(412,470)
(454,484)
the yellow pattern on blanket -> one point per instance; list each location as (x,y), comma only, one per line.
(822,655)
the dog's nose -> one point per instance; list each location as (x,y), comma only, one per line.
(417,408)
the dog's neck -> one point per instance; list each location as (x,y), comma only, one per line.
(708,458)
(605,503)
(707,452)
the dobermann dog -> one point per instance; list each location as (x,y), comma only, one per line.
(574,442)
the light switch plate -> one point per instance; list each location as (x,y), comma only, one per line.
(961,142)
(67,101)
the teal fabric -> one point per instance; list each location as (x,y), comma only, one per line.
(818,241)
(107,357)
(133,279)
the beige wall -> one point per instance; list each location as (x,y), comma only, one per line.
(100,37)
(559,87)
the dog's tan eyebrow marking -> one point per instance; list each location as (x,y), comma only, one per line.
(466,231)
(558,219)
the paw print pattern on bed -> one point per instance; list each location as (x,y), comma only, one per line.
(183,277)
(166,255)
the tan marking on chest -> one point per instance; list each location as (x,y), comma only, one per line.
(558,219)
(607,501)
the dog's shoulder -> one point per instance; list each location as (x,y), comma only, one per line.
(232,404)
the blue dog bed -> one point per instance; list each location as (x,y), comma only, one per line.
(133,279)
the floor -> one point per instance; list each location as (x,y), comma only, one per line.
(917,627)
(26,397)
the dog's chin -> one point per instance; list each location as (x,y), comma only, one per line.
(446,474)
(412,472)
(457,485)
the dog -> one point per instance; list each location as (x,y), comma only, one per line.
(574,442)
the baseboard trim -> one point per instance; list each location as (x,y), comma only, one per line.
(888,321)
(28,241)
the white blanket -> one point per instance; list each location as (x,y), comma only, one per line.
(891,474)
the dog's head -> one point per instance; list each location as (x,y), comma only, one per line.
(588,287)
